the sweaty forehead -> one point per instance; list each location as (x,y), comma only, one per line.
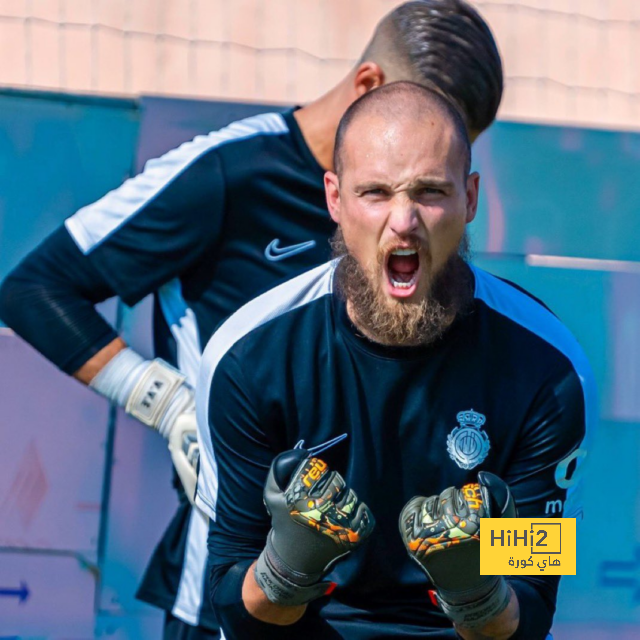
(394,146)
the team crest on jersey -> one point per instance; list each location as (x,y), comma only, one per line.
(468,444)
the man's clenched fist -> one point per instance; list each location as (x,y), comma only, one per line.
(316,520)
(442,534)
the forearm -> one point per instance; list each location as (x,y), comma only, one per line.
(502,627)
(233,601)
(88,371)
(258,605)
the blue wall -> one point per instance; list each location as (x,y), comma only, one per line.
(546,191)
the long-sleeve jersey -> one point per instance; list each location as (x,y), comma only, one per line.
(207,227)
(507,389)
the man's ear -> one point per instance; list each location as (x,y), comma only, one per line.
(368,76)
(332,192)
(473,189)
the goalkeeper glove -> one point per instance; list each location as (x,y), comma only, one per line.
(160,397)
(316,520)
(185,452)
(442,534)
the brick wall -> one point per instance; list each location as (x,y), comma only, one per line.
(566,61)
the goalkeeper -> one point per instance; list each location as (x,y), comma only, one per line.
(207,227)
(382,404)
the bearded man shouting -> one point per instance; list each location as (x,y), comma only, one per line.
(358,421)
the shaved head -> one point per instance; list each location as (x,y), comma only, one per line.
(403,100)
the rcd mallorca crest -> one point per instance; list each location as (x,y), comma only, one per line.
(468,444)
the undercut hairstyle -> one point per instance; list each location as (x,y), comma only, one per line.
(444,45)
(394,100)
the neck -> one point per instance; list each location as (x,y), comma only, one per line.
(318,121)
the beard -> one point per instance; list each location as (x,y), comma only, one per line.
(394,322)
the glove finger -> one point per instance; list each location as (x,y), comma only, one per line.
(285,467)
(308,476)
(450,503)
(356,523)
(363,522)
(329,486)
(410,517)
(358,512)
(433,520)
(419,520)
(345,499)
(496,495)
(474,500)
(430,509)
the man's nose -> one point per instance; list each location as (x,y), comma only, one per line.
(404,219)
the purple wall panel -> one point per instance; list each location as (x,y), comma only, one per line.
(51,459)
(142,503)
(56,596)
(624,331)
(137,326)
(168,122)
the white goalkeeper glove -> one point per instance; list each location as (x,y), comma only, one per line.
(159,396)
(185,452)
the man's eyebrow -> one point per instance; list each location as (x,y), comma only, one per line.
(431,183)
(372,184)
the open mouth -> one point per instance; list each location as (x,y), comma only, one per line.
(403,271)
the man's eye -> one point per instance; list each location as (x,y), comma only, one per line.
(374,192)
(429,191)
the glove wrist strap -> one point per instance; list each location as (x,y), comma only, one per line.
(151,391)
(477,613)
(284,586)
(153,394)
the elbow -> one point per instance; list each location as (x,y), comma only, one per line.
(9,299)
(20,294)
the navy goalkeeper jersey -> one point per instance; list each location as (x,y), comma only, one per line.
(507,390)
(207,226)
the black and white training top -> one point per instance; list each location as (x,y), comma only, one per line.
(507,390)
(207,227)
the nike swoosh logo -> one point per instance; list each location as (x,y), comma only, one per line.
(274,252)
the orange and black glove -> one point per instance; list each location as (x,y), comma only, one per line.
(316,520)
(442,534)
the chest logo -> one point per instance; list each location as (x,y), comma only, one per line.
(274,252)
(468,444)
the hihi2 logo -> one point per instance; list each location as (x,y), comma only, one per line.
(527,546)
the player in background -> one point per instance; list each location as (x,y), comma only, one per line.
(440,393)
(206,228)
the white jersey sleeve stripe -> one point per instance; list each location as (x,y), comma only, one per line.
(286,297)
(93,224)
(530,314)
